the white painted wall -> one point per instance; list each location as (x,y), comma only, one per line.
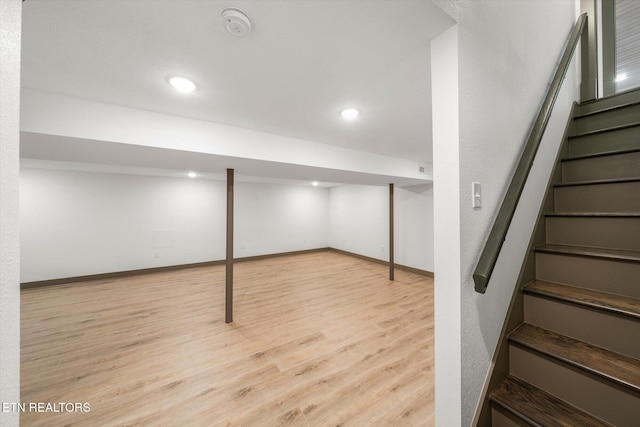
(277,218)
(80,223)
(359,223)
(414,226)
(446,192)
(358,220)
(506,55)
(10,31)
(77,223)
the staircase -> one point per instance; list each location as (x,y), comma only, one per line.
(575,361)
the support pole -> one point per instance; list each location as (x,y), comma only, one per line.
(391,262)
(228,313)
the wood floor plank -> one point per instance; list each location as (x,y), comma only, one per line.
(317,339)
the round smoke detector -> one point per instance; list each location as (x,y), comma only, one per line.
(236,23)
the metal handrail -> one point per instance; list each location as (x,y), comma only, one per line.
(496,238)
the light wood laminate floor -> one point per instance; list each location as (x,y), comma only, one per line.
(319,339)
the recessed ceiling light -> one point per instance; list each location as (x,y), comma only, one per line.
(349,114)
(182,84)
(192,174)
(315,183)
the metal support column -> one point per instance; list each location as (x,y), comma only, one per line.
(228,314)
(391,262)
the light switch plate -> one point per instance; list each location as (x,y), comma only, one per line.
(476,195)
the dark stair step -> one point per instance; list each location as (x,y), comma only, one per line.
(604,195)
(605,129)
(569,158)
(595,299)
(597,182)
(616,165)
(617,100)
(593,214)
(614,230)
(621,115)
(588,315)
(611,139)
(615,367)
(584,111)
(539,408)
(607,270)
(613,254)
(608,141)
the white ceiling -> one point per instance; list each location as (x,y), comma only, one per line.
(303,62)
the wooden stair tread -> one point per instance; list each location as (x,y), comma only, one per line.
(621,369)
(606,109)
(615,254)
(600,154)
(609,97)
(595,214)
(603,130)
(597,182)
(610,302)
(538,407)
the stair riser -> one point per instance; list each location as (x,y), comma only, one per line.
(501,418)
(616,166)
(609,102)
(606,142)
(604,399)
(614,197)
(605,275)
(614,233)
(585,324)
(606,119)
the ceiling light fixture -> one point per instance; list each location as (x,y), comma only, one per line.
(315,183)
(192,174)
(349,114)
(236,23)
(182,84)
